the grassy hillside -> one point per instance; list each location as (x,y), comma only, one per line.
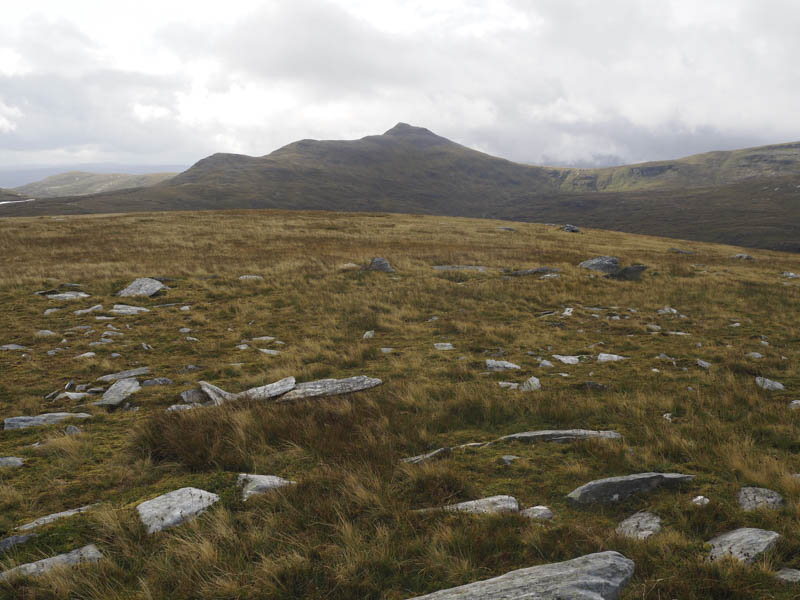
(9,195)
(347,529)
(80,183)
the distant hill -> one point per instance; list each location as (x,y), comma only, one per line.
(82,183)
(748,197)
(9,196)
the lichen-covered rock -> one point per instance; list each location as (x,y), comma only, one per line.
(538,513)
(604,357)
(500,365)
(492,504)
(753,498)
(640,526)
(599,576)
(559,435)
(532,384)
(614,489)
(330,387)
(252,484)
(604,264)
(41,420)
(444,346)
(768,384)
(11,462)
(745,544)
(86,554)
(126,309)
(788,575)
(119,391)
(54,517)
(174,508)
(143,286)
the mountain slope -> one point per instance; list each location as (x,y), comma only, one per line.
(82,183)
(9,196)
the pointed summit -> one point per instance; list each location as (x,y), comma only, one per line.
(406,129)
(418,136)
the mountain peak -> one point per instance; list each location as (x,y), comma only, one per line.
(406,129)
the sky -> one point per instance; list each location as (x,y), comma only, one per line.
(559,82)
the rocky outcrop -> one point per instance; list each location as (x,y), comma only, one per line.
(614,489)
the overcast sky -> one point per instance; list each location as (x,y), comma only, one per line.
(579,82)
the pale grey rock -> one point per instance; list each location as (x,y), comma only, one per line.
(788,575)
(125,374)
(510,385)
(259,484)
(87,355)
(41,420)
(265,392)
(67,296)
(745,544)
(667,310)
(368,334)
(550,276)
(174,508)
(91,309)
(50,311)
(125,309)
(72,430)
(54,517)
(742,257)
(700,501)
(567,360)
(571,229)
(242,347)
(330,387)
(678,333)
(754,355)
(604,264)
(437,454)
(703,364)
(250,278)
(794,404)
(11,461)
(490,505)
(194,396)
(790,275)
(444,346)
(180,407)
(753,498)
(378,264)
(545,364)
(567,312)
(119,391)
(191,339)
(604,357)
(184,330)
(768,384)
(614,489)
(500,365)
(143,286)
(157,381)
(13,347)
(599,576)
(538,513)
(269,352)
(640,526)
(507,459)
(87,554)
(477,268)
(559,435)
(15,540)
(74,396)
(102,318)
(264,338)
(45,333)
(387,350)
(532,384)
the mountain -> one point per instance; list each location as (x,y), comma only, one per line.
(747,197)
(82,183)
(9,196)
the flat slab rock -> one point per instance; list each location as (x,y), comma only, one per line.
(753,498)
(15,540)
(174,508)
(768,384)
(219,396)
(54,517)
(640,526)
(119,391)
(437,454)
(605,264)
(490,505)
(87,554)
(330,387)
(67,295)
(613,489)
(559,435)
(126,309)
(143,286)
(500,365)
(124,374)
(252,484)
(745,544)
(599,576)
(41,420)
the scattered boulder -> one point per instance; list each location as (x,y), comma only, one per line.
(703,364)
(753,498)
(437,454)
(754,355)
(378,264)
(567,360)
(86,554)
(742,257)
(11,462)
(45,333)
(86,311)
(768,384)
(500,365)
(532,384)
(368,335)
(259,484)
(125,374)
(330,387)
(570,229)
(67,295)
(14,347)
(125,309)
(444,346)
(119,391)
(599,576)
(41,420)
(507,459)
(538,513)
(250,278)
(604,357)
(561,436)
(536,271)
(667,310)
(614,489)
(54,517)
(653,327)
(143,286)
(745,544)
(174,508)
(700,501)
(604,264)
(490,505)
(640,526)
(788,575)
(14,540)
(790,275)
(631,273)
(72,430)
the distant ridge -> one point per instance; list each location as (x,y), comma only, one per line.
(747,197)
(82,183)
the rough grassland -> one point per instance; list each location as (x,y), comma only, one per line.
(347,529)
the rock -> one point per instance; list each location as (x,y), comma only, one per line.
(15,540)
(768,384)
(11,462)
(667,310)
(72,430)
(550,276)
(194,396)
(491,505)
(545,364)
(631,273)
(50,311)
(653,327)
(559,435)
(125,309)
(537,271)
(387,350)
(74,396)
(41,420)
(679,251)
(67,295)
(745,544)
(120,391)
(45,333)
(241,346)
(500,365)
(604,264)
(86,554)
(87,355)
(460,268)
(330,387)
(742,257)
(753,498)
(54,517)
(700,501)
(794,404)
(538,513)
(613,489)
(14,347)
(567,312)
(640,526)
(599,576)
(570,229)
(437,454)
(507,459)
(91,309)
(174,508)
(531,384)
(368,334)
(703,364)
(250,278)
(789,575)
(444,346)
(265,392)
(790,275)
(157,381)
(567,360)
(505,229)
(604,357)
(125,374)
(378,264)
(264,338)
(259,484)
(269,352)
(754,355)
(592,386)
(510,385)
(180,407)
(143,286)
